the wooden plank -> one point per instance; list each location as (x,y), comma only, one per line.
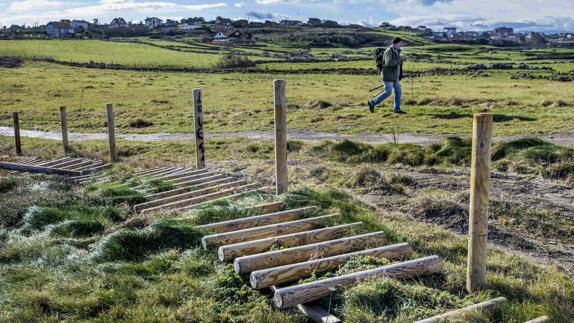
(208,182)
(312,291)
(280,103)
(487,307)
(199,199)
(38,169)
(265,231)
(175,181)
(198,129)
(53,163)
(171,199)
(479,192)
(292,272)
(232,251)
(258,220)
(247,264)
(317,313)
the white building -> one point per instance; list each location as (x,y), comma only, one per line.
(186,26)
(153,22)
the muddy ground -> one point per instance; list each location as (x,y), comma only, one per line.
(510,194)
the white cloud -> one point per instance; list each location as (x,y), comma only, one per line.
(34,5)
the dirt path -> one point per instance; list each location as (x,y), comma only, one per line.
(294,134)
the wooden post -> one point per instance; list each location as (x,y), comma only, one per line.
(199,139)
(478,211)
(280,137)
(17,140)
(111,133)
(64,121)
(17,133)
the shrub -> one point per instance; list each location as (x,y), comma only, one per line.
(235,61)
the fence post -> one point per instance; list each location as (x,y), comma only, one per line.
(478,211)
(16,119)
(64,121)
(280,136)
(111,132)
(199,139)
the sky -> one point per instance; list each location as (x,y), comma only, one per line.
(523,15)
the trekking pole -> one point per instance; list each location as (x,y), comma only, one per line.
(412,88)
(376,88)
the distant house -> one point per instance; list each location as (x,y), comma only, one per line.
(186,26)
(79,24)
(118,23)
(222,23)
(153,22)
(232,36)
(291,23)
(450,31)
(502,32)
(314,22)
(534,38)
(59,29)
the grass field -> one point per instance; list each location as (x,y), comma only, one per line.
(79,254)
(437,104)
(49,257)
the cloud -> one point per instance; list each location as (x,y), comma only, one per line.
(34,5)
(260,15)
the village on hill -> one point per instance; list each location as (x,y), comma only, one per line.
(238,32)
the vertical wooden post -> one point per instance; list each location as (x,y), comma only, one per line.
(280,136)
(478,211)
(16,119)
(64,121)
(111,132)
(199,140)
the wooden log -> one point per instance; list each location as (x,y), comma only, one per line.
(92,170)
(280,136)
(479,192)
(197,181)
(199,139)
(111,133)
(176,181)
(283,274)
(64,122)
(199,199)
(53,163)
(230,197)
(257,221)
(167,200)
(79,163)
(17,140)
(154,171)
(160,173)
(317,313)
(232,251)
(487,306)
(213,181)
(268,207)
(38,169)
(183,173)
(541,319)
(308,292)
(247,264)
(265,231)
(91,165)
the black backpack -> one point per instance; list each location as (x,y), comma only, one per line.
(379,53)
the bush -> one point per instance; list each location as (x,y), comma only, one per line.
(235,61)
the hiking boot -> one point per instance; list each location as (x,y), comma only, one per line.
(371,106)
(400,112)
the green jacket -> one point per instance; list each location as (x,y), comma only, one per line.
(392,60)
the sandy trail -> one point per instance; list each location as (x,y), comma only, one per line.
(294,134)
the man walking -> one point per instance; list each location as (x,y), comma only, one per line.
(391,68)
